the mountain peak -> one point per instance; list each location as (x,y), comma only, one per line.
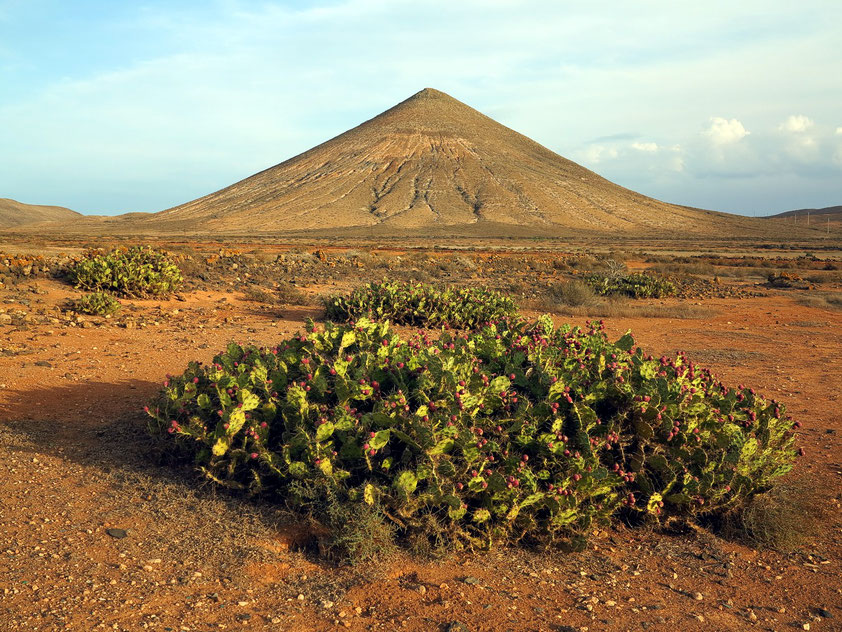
(432,161)
(431,93)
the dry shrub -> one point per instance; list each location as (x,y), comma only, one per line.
(822,301)
(619,307)
(259,295)
(782,518)
(572,294)
(342,532)
(288,294)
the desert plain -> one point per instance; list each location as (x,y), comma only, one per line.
(102,532)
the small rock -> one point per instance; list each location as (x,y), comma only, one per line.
(805,626)
(457,626)
(119,534)
(471,580)
(698,596)
(824,613)
(326,604)
(43,363)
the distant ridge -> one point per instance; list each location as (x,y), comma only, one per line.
(834,211)
(432,162)
(14,213)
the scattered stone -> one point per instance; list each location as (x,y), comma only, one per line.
(119,534)
(457,626)
(824,613)
(698,596)
(472,581)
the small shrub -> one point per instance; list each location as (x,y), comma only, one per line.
(259,295)
(96,304)
(782,518)
(132,272)
(822,300)
(421,305)
(516,433)
(634,285)
(288,294)
(572,294)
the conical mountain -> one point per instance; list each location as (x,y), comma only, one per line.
(432,161)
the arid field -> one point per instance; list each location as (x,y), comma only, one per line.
(105,530)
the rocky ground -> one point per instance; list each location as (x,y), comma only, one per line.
(100,532)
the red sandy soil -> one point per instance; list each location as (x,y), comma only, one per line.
(74,462)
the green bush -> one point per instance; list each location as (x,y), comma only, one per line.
(131,272)
(520,433)
(421,305)
(635,285)
(96,304)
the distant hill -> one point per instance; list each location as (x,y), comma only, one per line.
(834,212)
(433,165)
(14,213)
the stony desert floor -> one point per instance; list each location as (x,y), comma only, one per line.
(100,533)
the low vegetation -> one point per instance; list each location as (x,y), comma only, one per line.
(134,272)
(96,304)
(634,285)
(421,305)
(512,433)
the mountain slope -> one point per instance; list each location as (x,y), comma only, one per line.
(434,162)
(14,213)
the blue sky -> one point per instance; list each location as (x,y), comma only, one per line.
(109,107)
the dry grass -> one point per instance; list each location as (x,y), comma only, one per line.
(613,307)
(783,518)
(824,300)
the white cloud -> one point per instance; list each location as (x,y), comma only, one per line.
(796,123)
(598,153)
(725,131)
(647,147)
(839,131)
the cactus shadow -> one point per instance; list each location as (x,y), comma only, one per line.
(90,423)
